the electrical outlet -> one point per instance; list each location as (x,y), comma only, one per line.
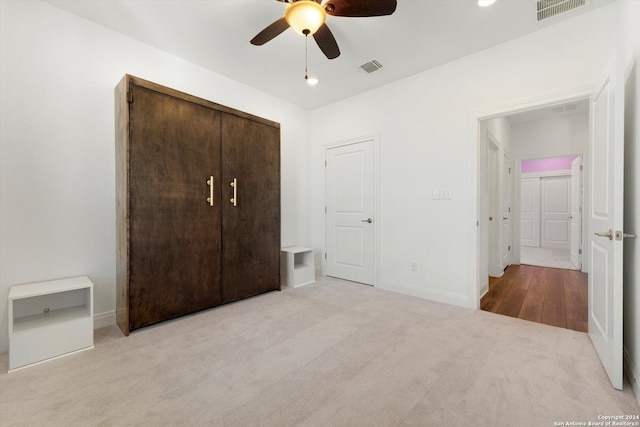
(442,195)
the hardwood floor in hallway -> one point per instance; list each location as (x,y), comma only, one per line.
(545,295)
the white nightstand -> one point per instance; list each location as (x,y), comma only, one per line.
(49,319)
(297,266)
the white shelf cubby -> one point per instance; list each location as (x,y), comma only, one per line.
(49,319)
(297,266)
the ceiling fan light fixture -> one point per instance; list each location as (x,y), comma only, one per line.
(485,3)
(311,81)
(305,16)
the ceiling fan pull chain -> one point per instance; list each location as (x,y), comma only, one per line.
(306,49)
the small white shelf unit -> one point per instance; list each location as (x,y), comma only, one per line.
(49,319)
(297,267)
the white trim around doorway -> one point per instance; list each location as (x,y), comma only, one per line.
(375,138)
(474,139)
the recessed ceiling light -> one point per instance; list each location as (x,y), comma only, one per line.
(485,3)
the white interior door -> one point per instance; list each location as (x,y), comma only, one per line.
(507,197)
(605,220)
(576,212)
(555,212)
(530,212)
(350,207)
(495,224)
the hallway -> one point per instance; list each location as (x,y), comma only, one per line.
(546,257)
(544,295)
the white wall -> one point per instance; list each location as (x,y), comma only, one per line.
(630,38)
(552,137)
(57,182)
(426,144)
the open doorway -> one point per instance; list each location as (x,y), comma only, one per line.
(551,212)
(552,131)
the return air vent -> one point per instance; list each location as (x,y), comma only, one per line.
(548,8)
(371,66)
(564,108)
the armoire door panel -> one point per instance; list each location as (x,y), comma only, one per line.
(178,236)
(251,228)
(174,246)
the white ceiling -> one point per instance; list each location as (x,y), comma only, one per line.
(215,34)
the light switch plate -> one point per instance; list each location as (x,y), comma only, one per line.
(442,195)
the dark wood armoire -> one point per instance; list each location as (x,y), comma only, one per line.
(197,201)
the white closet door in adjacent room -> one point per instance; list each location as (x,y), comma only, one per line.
(530,212)
(555,211)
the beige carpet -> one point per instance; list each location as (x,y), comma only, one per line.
(329,354)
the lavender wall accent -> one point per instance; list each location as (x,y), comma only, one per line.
(547,164)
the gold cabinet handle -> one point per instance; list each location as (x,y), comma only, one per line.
(234,184)
(210,184)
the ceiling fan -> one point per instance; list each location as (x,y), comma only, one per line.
(307,17)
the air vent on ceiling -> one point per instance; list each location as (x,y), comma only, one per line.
(564,108)
(371,66)
(548,8)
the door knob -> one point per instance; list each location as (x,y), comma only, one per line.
(608,234)
(369,220)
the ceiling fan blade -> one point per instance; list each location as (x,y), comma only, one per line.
(360,8)
(270,32)
(327,42)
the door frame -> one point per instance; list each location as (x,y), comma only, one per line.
(474,225)
(577,193)
(494,205)
(506,197)
(375,139)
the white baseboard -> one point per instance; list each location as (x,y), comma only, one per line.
(107,318)
(428,294)
(633,375)
(484,288)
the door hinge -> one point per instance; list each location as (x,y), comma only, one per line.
(509,208)
(325,163)
(325,255)
(509,170)
(129,97)
(325,209)
(579,251)
(581,167)
(509,248)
